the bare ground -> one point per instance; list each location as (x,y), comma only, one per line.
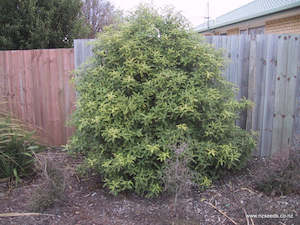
(85,202)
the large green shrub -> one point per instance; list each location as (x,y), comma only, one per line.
(154,84)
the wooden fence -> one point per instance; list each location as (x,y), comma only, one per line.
(266,70)
(36,86)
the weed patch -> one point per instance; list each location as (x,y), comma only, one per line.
(281,175)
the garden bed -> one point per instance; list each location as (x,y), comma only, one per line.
(86,202)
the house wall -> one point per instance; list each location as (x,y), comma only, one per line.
(234,31)
(282,22)
(289,25)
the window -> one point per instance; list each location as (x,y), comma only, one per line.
(243,32)
(255,31)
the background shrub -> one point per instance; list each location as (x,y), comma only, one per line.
(38,24)
(154,84)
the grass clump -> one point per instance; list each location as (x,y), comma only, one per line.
(16,147)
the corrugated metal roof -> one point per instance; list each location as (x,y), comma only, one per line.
(251,10)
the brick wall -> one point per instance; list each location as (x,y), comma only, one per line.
(289,25)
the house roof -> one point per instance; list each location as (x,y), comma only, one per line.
(249,11)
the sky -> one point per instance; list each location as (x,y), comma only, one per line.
(193,10)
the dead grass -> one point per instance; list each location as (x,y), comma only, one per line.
(280,176)
(51,190)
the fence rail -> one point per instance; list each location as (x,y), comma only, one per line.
(266,70)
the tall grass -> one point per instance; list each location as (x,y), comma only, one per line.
(16,145)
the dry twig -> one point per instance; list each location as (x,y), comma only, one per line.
(220,211)
(246,216)
(247,189)
(23,214)
(4,180)
(252,222)
(78,179)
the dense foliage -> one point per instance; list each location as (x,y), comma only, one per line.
(154,84)
(30,24)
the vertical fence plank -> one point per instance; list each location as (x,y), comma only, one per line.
(231,47)
(54,89)
(235,57)
(25,83)
(82,50)
(290,99)
(67,89)
(269,95)
(9,91)
(2,79)
(208,39)
(17,83)
(243,71)
(219,45)
(215,41)
(61,95)
(12,71)
(296,140)
(240,64)
(260,84)
(28,93)
(36,111)
(3,82)
(280,92)
(37,77)
(21,82)
(226,46)
(72,96)
(251,85)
